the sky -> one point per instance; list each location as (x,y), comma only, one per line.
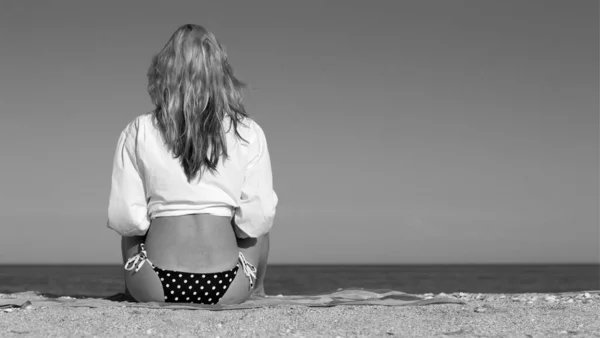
(400,132)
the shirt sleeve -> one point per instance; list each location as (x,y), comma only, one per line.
(127,207)
(256,211)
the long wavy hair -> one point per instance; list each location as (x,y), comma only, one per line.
(193,89)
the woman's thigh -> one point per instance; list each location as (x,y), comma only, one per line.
(253,250)
(144,285)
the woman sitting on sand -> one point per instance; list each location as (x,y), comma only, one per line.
(192,192)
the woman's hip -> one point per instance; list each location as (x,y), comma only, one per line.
(149,282)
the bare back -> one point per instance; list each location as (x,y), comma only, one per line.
(194,243)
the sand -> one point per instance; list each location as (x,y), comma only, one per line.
(523,315)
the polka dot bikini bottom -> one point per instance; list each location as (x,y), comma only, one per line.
(187,287)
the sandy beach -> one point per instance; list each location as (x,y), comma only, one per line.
(482,315)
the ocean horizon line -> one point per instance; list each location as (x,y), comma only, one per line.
(340,264)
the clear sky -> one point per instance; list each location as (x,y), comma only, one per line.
(400,131)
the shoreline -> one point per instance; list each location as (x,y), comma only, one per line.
(521,315)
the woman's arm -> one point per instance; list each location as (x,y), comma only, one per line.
(127,212)
(127,206)
(256,210)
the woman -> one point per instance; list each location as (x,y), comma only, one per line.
(192,193)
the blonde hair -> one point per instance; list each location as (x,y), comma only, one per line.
(193,89)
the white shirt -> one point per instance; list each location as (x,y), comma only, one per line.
(148,182)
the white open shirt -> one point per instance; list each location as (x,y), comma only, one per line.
(148,182)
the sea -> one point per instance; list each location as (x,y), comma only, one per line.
(107,280)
